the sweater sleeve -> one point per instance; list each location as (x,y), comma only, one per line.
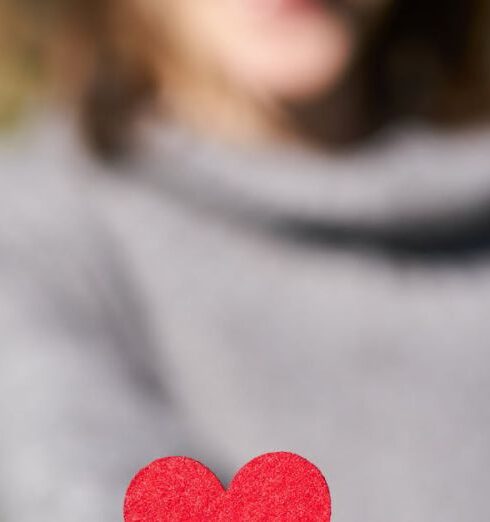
(80,408)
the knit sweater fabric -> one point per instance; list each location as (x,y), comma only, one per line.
(219,302)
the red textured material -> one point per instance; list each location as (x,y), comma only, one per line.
(276,486)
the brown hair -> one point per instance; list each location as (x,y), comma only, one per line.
(426,60)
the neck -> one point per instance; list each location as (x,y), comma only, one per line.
(210,105)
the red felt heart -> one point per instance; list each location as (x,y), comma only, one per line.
(276,486)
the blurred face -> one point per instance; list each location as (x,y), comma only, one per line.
(271,50)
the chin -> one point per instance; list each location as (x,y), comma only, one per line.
(300,65)
(300,79)
(304,81)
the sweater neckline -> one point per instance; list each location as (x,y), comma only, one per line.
(411,186)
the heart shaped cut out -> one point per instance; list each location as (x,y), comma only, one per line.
(277,486)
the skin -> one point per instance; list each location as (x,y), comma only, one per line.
(231,67)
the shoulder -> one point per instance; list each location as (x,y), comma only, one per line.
(47,225)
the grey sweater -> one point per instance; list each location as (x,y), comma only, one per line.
(221,303)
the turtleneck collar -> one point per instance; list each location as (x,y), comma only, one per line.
(410,188)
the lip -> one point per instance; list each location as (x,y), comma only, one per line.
(278,7)
(298,4)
